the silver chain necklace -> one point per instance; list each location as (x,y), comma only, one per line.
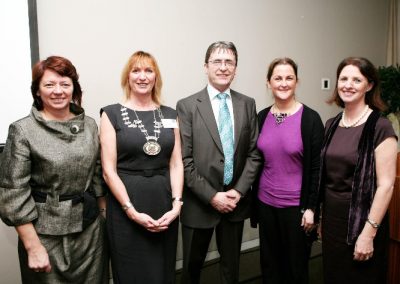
(151,147)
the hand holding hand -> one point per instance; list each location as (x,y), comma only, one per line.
(144,220)
(234,195)
(223,202)
(168,217)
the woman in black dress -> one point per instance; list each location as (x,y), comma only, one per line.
(142,165)
(358,171)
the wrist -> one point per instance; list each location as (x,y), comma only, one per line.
(177,200)
(373,224)
(32,245)
(176,209)
(176,206)
(127,205)
(238,192)
(368,232)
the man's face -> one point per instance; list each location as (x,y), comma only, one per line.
(221,68)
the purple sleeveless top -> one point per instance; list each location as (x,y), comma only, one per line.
(282,148)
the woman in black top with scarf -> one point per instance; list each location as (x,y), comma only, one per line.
(358,163)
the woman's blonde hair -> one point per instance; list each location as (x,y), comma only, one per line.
(142,58)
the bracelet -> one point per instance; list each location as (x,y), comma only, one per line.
(177,199)
(127,205)
(102,210)
(373,223)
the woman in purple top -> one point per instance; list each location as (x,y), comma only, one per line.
(286,194)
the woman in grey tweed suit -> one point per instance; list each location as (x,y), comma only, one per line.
(49,180)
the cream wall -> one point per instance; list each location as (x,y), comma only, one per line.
(16,101)
(99,35)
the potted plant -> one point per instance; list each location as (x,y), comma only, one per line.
(390,93)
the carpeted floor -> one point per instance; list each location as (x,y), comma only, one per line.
(250,268)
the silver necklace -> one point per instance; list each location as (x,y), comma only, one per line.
(151,147)
(364,113)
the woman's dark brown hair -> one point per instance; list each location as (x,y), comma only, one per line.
(281,61)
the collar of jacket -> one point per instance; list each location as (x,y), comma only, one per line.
(65,130)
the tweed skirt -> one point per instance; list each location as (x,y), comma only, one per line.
(75,258)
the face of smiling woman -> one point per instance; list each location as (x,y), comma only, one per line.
(283,82)
(142,79)
(352,85)
(55,92)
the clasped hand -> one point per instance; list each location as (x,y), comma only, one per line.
(225,202)
(152,225)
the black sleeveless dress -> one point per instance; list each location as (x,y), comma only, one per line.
(137,255)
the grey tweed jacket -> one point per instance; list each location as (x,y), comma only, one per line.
(56,158)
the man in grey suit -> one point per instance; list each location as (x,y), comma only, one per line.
(219,133)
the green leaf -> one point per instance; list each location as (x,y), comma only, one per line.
(390,87)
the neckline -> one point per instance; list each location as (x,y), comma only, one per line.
(296,112)
(358,125)
(131,109)
(357,120)
(77,113)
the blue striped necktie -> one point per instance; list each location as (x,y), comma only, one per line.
(225,130)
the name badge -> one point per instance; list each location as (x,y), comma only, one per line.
(169,123)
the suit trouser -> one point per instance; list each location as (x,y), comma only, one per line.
(195,246)
(284,250)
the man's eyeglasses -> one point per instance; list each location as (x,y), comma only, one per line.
(218,63)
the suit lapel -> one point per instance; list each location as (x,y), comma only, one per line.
(238,107)
(206,112)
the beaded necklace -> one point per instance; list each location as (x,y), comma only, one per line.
(364,113)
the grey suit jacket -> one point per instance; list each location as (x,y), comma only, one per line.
(204,159)
(46,156)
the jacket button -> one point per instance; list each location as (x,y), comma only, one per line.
(221,162)
(74,129)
